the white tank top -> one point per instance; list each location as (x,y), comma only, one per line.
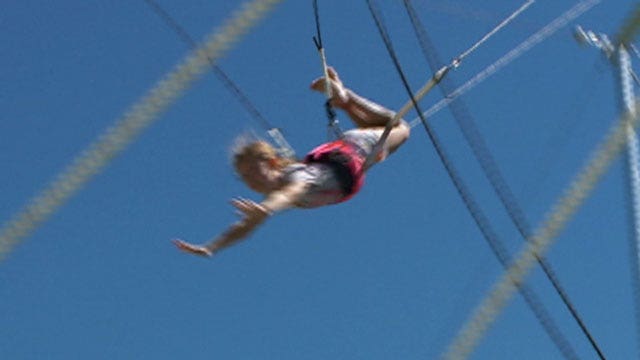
(323,188)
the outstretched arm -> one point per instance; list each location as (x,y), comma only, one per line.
(252,215)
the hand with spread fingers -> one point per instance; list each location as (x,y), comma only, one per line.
(329,174)
(250,210)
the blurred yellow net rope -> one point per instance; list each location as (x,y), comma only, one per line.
(579,189)
(125,129)
(630,28)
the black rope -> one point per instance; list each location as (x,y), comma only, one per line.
(490,168)
(333,123)
(318,38)
(478,216)
(222,76)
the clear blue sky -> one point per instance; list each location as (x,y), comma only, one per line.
(392,274)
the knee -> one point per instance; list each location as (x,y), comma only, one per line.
(398,136)
(404,129)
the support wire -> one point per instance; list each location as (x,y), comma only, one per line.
(283,147)
(559,215)
(515,53)
(483,155)
(474,210)
(333,124)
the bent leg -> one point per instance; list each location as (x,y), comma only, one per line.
(366,113)
(370,118)
(363,112)
(398,135)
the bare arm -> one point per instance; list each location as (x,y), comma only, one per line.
(253,215)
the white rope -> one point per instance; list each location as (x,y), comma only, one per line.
(334,128)
(525,46)
(630,29)
(125,130)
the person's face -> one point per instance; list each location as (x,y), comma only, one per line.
(258,174)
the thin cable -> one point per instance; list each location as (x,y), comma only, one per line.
(474,210)
(564,209)
(283,146)
(635,77)
(222,76)
(495,30)
(125,129)
(438,75)
(483,155)
(377,148)
(525,46)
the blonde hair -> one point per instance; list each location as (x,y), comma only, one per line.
(258,149)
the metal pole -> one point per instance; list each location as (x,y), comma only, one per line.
(633,149)
(633,169)
(619,55)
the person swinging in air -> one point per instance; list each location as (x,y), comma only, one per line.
(331,173)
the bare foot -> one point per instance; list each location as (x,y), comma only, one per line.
(192,249)
(339,93)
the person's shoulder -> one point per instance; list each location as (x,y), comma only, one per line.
(301,171)
(294,167)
